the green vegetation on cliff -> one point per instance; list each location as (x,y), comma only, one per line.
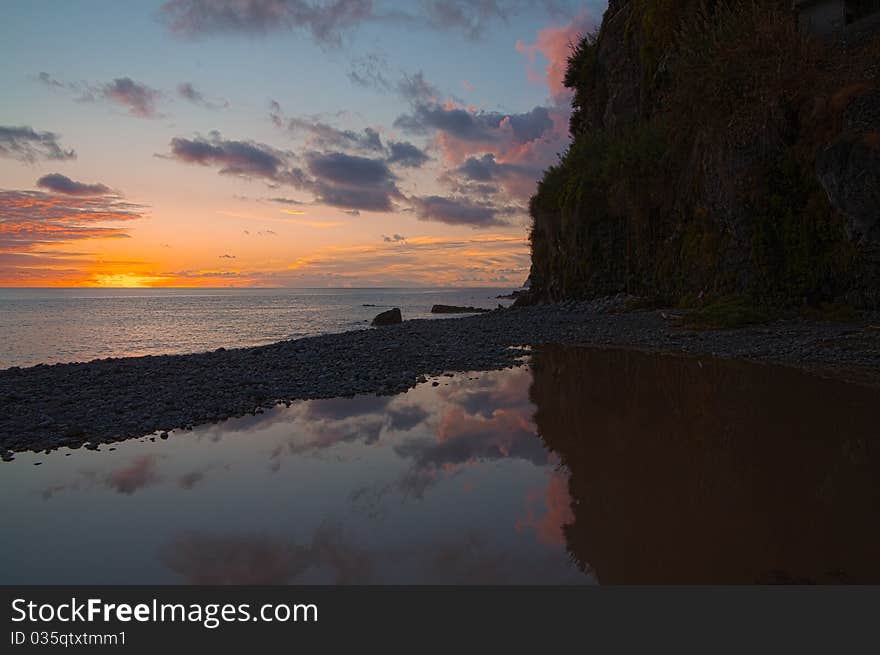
(693,167)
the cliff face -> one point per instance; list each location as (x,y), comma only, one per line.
(716,150)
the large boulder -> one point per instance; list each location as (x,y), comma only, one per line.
(391,317)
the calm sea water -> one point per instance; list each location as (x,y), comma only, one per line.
(586,466)
(66,325)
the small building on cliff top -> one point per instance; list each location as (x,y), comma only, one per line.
(836,18)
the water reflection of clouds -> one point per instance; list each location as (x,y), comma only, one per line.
(469,437)
(332,556)
(140,472)
(137,473)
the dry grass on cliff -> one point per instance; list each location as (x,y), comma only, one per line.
(738,69)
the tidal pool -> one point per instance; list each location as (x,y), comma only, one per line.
(584,466)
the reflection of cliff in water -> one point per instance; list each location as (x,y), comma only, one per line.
(687,471)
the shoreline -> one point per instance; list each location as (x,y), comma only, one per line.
(50,406)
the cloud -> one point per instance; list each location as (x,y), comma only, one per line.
(352,182)
(240,158)
(334,178)
(486,168)
(138,98)
(363,199)
(285,201)
(324,22)
(321,135)
(369,71)
(404,153)
(348,169)
(481,127)
(554,45)
(469,17)
(187,91)
(28,145)
(63,184)
(227,256)
(29,219)
(457,211)
(394,238)
(415,88)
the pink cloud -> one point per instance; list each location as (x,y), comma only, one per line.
(554,45)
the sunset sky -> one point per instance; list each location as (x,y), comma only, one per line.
(298,143)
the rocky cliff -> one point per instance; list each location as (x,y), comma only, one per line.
(717,151)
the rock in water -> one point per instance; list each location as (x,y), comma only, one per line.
(453,309)
(391,317)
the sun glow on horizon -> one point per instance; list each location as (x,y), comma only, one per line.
(124,280)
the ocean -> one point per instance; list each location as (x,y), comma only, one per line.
(70,325)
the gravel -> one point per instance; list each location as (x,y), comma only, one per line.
(102,401)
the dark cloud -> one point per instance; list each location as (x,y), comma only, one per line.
(326,136)
(531,125)
(63,184)
(28,145)
(285,201)
(471,17)
(324,21)
(334,178)
(404,153)
(354,198)
(369,71)
(352,182)
(483,127)
(394,238)
(328,141)
(349,169)
(50,81)
(486,169)
(415,88)
(327,21)
(457,211)
(138,98)
(189,92)
(241,158)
